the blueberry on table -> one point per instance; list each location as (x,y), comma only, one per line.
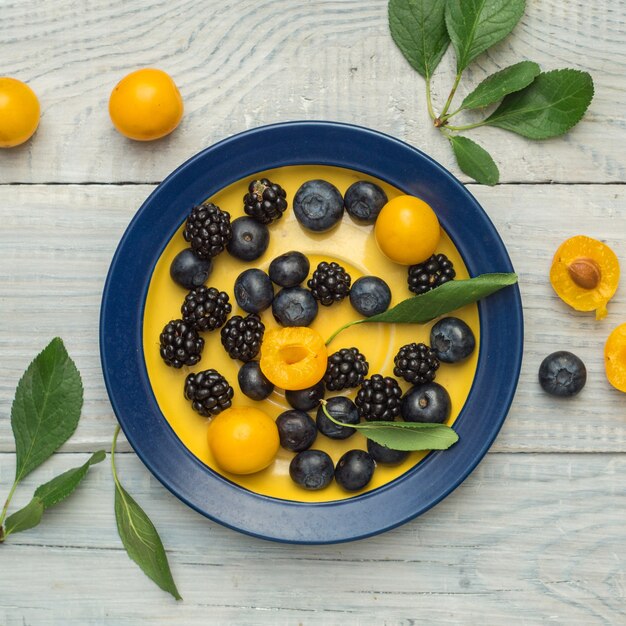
(343,410)
(188,270)
(562,374)
(383,454)
(253,290)
(289,269)
(297,430)
(370,295)
(364,200)
(428,403)
(452,340)
(354,470)
(253,382)
(312,469)
(306,399)
(250,239)
(294,306)
(318,205)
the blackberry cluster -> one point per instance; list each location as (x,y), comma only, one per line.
(378,399)
(206,308)
(435,271)
(208,230)
(329,283)
(346,368)
(242,336)
(265,201)
(209,392)
(416,363)
(180,344)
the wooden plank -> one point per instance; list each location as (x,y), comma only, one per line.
(240,64)
(527,539)
(56,243)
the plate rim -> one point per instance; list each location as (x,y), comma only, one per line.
(312,534)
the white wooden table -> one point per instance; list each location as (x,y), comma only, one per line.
(536,534)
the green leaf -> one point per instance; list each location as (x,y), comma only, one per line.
(46,407)
(419,29)
(63,485)
(444,299)
(506,81)
(552,104)
(139,536)
(25,518)
(476,25)
(406,436)
(474,160)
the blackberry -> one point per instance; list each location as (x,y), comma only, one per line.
(416,363)
(209,392)
(242,336)
(378,399)
(329,283)
(180,344)
(265,201)
(206,308)
(433,272)
(208,230)
(346,368)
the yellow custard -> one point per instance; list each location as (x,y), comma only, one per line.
(353,246)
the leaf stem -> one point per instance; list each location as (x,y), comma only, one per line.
(6,506)
(342,328)
(446,106)
(114,471)
(445,118)
(467,126)
(429,102)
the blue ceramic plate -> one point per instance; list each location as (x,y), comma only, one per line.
(300,143)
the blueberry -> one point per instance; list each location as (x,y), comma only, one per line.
(354,470)
(426,403)
(253,290)
(364,201)
(306,399)
(188,270)
(250,239)
(318,205)
(296,430)
(343,410)
(452,340)
(294,306)
(252,381)
(562,374)
(289,269)
(370,295)
(312,469)
(385,455)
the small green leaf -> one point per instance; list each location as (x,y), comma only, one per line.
(406,436)
(506,81)
(63,485)
(476,25)
(419,29)
(552,104)
(46,407)
(474,160)
(139,536)
(25,518)
(444,299)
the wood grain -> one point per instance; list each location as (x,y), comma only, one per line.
(527,539)
(245,63)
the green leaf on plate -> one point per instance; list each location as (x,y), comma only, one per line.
(444,299)
(139,536)
(552,104)
(419,29)
(506,81)
(46,408)
(476,25)
(25,518)
(474,160)
(406,436)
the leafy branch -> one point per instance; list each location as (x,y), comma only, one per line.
(534,104)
